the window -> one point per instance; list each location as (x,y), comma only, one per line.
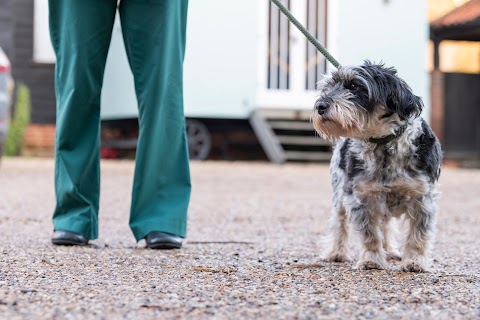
(282,45)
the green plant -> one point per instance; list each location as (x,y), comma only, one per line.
(20,120)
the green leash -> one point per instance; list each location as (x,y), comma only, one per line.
(307,34)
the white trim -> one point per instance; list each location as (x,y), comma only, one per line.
(42,47)
(285,99)
(262,43)
(296,96)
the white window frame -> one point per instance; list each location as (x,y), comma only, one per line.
(296,97)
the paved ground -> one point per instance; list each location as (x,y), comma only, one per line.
(253,251)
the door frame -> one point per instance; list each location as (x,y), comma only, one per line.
(296,96)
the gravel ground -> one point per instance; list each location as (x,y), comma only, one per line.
(253,251)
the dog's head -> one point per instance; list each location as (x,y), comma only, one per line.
(363,102)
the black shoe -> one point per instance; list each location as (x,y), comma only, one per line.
(163,240)
(68,238)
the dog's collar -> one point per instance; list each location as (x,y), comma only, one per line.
(390,137)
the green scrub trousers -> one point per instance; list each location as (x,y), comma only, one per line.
(154,36)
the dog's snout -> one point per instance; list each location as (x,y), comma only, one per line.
(321,107)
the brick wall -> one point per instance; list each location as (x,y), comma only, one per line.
(39,140)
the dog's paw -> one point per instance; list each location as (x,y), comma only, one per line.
(370,260)
(337,257)
(369,265)
(393,256)
(413,266)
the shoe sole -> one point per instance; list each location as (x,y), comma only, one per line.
(68,243)
(164,245)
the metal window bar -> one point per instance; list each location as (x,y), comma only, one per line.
(278,72)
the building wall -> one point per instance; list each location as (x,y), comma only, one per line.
(38,77)
(379,33)
(455,56)
(462,132)
(392,31)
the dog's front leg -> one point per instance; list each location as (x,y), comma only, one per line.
(420,236)
(339,251)
(368,222)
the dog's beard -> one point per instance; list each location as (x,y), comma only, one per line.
(351,121)
(341,120)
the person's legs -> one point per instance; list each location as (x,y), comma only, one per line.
(80,32)
(154,35)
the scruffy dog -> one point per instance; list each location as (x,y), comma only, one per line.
(385,164)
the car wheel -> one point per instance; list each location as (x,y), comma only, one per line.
(199,140)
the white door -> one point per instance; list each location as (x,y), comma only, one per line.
(289,66)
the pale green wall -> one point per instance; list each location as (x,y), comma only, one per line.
(393,31)
(220,69)
(221,58)
(221,66)
(118,92)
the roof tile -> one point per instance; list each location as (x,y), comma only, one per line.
(465,13)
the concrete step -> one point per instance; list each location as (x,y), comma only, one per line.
(287,135)
(303,140)
(308,156)
(291,125)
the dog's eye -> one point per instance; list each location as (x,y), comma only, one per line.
(352,86)
(386,115)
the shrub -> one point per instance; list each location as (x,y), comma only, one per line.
(20,120)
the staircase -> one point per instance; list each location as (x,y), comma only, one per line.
(288,135)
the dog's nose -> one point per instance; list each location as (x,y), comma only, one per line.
(321,107)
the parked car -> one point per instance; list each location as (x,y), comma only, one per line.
(5,97)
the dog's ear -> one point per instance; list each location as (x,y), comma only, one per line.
(401,100)
(391,91)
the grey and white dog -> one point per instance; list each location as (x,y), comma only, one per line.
(386,164)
